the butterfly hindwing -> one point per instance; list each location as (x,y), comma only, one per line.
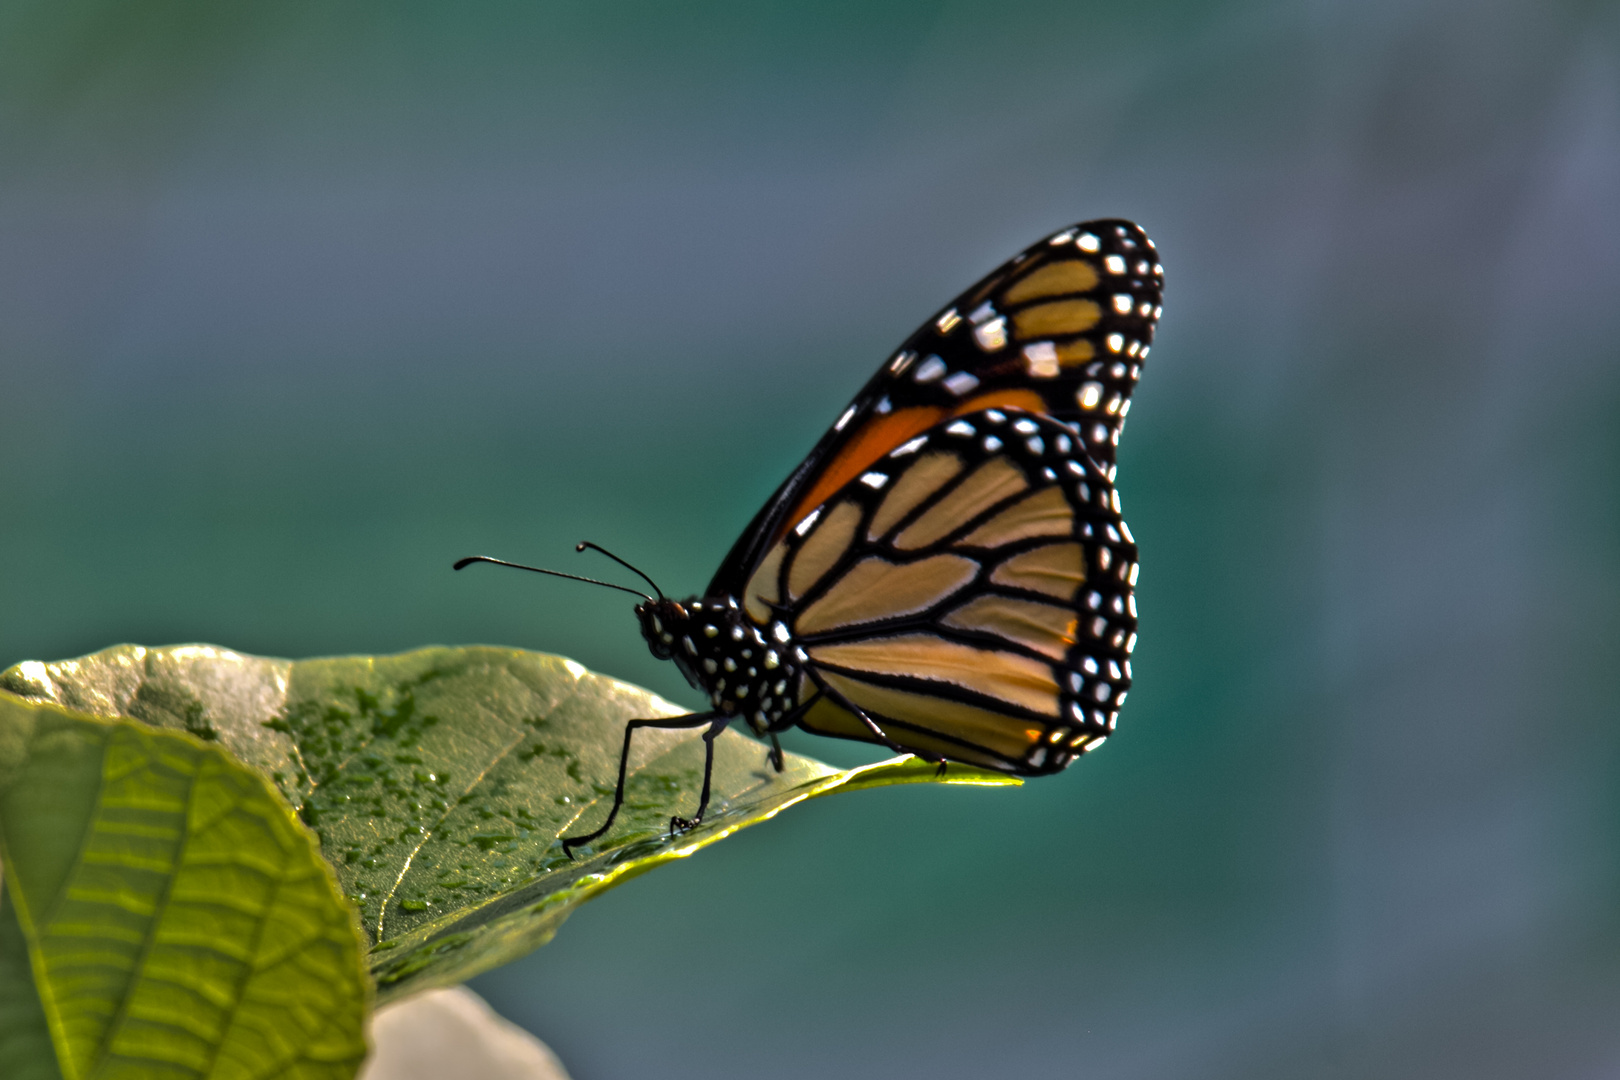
(970,592)
(1060,330)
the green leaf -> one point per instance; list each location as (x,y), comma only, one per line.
(25,1037)
(440,781)
(176,919)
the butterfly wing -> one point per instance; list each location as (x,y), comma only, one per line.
(969,592)
(1060,330)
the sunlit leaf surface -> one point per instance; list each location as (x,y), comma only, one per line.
(177,919)
(440,781)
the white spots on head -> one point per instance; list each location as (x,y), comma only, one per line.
(901,361)
(991,444)
(1123,302)
(711,631)
(1115,264)
(1087,242)
(992,335)
(1115,342)
(849,414)
(931,369)
(874,480)
(808,523)
(909,447)
(947,322)
(1089,394)
(961,382)
(729,664)
(710,666)
(962,428)
(1062,238)
(1041,359)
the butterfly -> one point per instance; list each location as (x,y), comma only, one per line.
(947,573)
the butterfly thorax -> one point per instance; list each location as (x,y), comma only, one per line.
(746,670)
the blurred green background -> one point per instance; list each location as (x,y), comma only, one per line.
(301,301)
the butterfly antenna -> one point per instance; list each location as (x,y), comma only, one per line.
(554,573)
(583,544)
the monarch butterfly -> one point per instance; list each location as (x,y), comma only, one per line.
(947,573)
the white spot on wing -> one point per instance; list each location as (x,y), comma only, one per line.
(1087,242)
(1041,359)
(961,382)
(809,520)
(931,369)
(874,480)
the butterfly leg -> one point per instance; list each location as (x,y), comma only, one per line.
(680,824)
(692,721)
(775,756)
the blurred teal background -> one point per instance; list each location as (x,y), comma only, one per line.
(299,302)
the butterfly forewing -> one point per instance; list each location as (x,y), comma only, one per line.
(1060,330)
(970,592)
